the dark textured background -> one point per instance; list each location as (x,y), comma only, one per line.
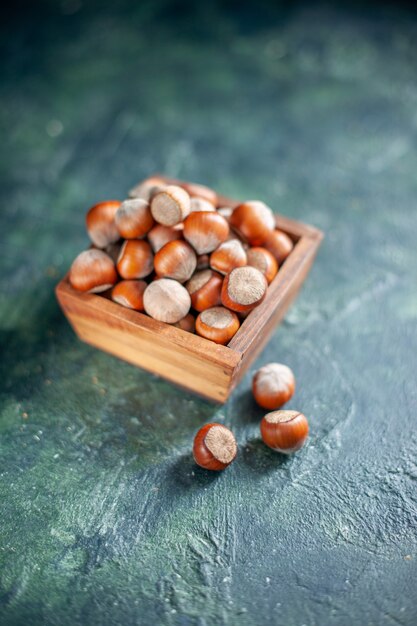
(104,517)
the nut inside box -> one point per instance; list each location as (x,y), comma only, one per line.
(188,360)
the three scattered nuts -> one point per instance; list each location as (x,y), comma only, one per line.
(172,252)
(285,431)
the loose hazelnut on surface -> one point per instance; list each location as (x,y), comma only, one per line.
(243,289)
(205,231)
(187,323)
(171,206)
(205,289)
(253,220)
(199,204)
(217,324)
(159,235)
(133,218)
(225,211)
(175,260)
(279,245)
(200,191)
(227,256)
(273,385)
(100,223)
(214,447)
(129,293)
(284,431)
(166,300)
(264,261)
(135,259)
(92,271)
(148,188)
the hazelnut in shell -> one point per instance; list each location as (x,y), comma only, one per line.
(175,260)
(135,259)
(244,289)
(253,220)
(214,447)
(205,231)
(133,218)
(284,431)
(171,206)
(227,256)
(273,385)
(92,271)
(101,227)
(205,289)
(264,261)
(217,324)
(166,300)
(129,293)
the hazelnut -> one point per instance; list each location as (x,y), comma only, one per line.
(273,385)
(227,256)
(133,218)
(205,289)
(159,235)
(200,191)
(148,188)
(214,447)
(166,300)
(205,231)
(225,211)
(100,223)
(264,261)
(176,259)
(284,431)
(187,323)
(129,293)
(253,220)
(135,259)
(217,324)
(92,271)
(279,245)
(171,206)
(243,289)
(199,204)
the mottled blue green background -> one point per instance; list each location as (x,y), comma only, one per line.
(104,518)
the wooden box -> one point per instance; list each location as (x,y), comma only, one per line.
(188,360)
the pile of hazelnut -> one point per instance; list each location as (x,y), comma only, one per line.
(284,431)
(169,249)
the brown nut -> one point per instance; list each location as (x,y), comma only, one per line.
(133,218)
(284,431)
(186,323)
(159,235)
(244,289)
(217,324)
(148,188)
(253,220)
(264,261)
(166,300)
(100,223)
(279,245)
(205,231)
(92,271)
(175,260)
(273,385)
(129,293)
(214,447)
(205,289)
(135,259)
(227,256)
(199,204)
(171,206)
(200,191)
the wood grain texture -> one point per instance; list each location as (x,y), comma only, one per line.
(193,362)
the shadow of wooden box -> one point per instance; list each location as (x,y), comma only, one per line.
(195,363)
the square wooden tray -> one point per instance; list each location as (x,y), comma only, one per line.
(188,360)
